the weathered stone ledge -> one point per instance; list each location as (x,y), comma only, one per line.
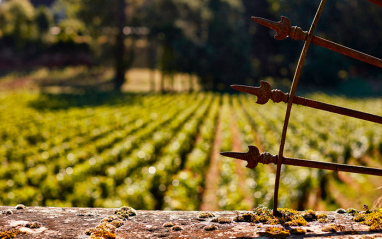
(73,222)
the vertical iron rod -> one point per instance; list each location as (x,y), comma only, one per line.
(290,100)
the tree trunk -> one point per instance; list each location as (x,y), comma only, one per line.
(152,80)
(214,83)
(190,83)
(172,82)
(120,67)
(152,62)
(162,82)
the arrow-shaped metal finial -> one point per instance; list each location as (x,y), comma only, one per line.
(282,27)
(252,156)
(263,92)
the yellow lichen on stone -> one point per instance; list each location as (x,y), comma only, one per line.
(126,212)
(322,217)
(20,206)
(168,224)
(298,231)
(286,211)
(98,233)
(7,212)
(264,218)
(103,230)
(333,228)
(297,221)
(177,228)
(359,217)
(223,220)
(106,229)
(112,218)
(273,221)
(352,211)
(310,215)
(340,210)
(117,223)
(12,233)
(89,231)
(275,232)
(210,228)
(206,215)
(247,217)
(374,220)
(33,225)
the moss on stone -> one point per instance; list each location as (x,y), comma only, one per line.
(310,215)
(126,212)
(33,225)
(247,217)
(177,228)
(206,215)
(297,231)
(374,220)
(275,232)
(297,221)
(333,228)
(168,224)
(20,206)
(352,211)
(340,210)
(224,220)
(11,233)
(210,228)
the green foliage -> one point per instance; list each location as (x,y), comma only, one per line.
(152,151)
(44,19)
(214,40)
(17,22)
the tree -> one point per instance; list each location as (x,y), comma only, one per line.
(109,18)
(44,20)
(212,43)
(324,68)
(160,17)
(227,48)
(17,22)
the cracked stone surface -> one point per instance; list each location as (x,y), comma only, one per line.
(73,222)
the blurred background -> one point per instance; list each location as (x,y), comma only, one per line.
(213,43)
(117,102)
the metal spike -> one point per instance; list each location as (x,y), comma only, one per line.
(282,27)
(252,156)
(263,92)
(267,23)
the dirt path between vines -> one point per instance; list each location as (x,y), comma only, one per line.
(240,171)
(210,201)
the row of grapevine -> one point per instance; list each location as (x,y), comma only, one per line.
(317,135)
(186,194)
(154,151)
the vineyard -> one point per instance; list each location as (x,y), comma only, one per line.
(161,151)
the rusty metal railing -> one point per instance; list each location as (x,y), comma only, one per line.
(283,30)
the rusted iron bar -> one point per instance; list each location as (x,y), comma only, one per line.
(296,78)
(253,157)
(377,2)
(284,29)
(265,92)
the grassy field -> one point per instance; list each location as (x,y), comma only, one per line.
(161,151)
